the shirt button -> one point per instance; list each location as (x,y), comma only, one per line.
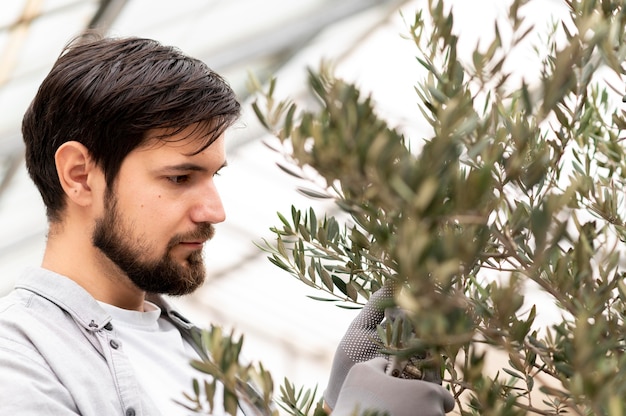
(115,345)
(130,412)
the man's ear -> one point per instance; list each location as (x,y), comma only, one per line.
(74,167)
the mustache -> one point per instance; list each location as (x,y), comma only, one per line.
(205,231)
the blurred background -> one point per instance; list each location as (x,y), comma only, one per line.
(291,334)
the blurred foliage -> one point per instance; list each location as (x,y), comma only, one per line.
(220,359)
(240,384)
(517,191)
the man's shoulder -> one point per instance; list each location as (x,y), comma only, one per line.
(28,308)
(15,303)
(21,323)
(36,329)
(22,302)
(22,309)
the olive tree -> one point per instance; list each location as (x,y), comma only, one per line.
(518,186)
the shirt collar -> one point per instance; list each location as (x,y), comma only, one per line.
(84,308)
(67,295)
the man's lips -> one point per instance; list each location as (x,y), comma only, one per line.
(192,244)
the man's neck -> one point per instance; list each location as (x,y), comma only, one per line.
(79,260)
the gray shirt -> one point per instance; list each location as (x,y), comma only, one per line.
(60,355)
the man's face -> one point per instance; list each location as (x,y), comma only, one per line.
(160,212)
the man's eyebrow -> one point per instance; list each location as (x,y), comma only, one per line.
(186,167)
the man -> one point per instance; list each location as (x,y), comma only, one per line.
(123,140)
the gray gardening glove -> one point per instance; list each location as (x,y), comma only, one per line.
(360,342)
(368,387)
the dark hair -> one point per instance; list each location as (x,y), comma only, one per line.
(107,93)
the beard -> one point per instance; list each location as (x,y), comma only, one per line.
(113,237)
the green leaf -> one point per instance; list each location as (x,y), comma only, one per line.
(321,299)
(327,280)
(313,194)
(260,116)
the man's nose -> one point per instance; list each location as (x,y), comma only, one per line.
(209,207)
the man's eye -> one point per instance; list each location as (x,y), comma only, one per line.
(178,179)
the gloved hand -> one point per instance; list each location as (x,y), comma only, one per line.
(360,342)
(368,387)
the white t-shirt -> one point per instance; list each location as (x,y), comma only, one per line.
(159,355)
